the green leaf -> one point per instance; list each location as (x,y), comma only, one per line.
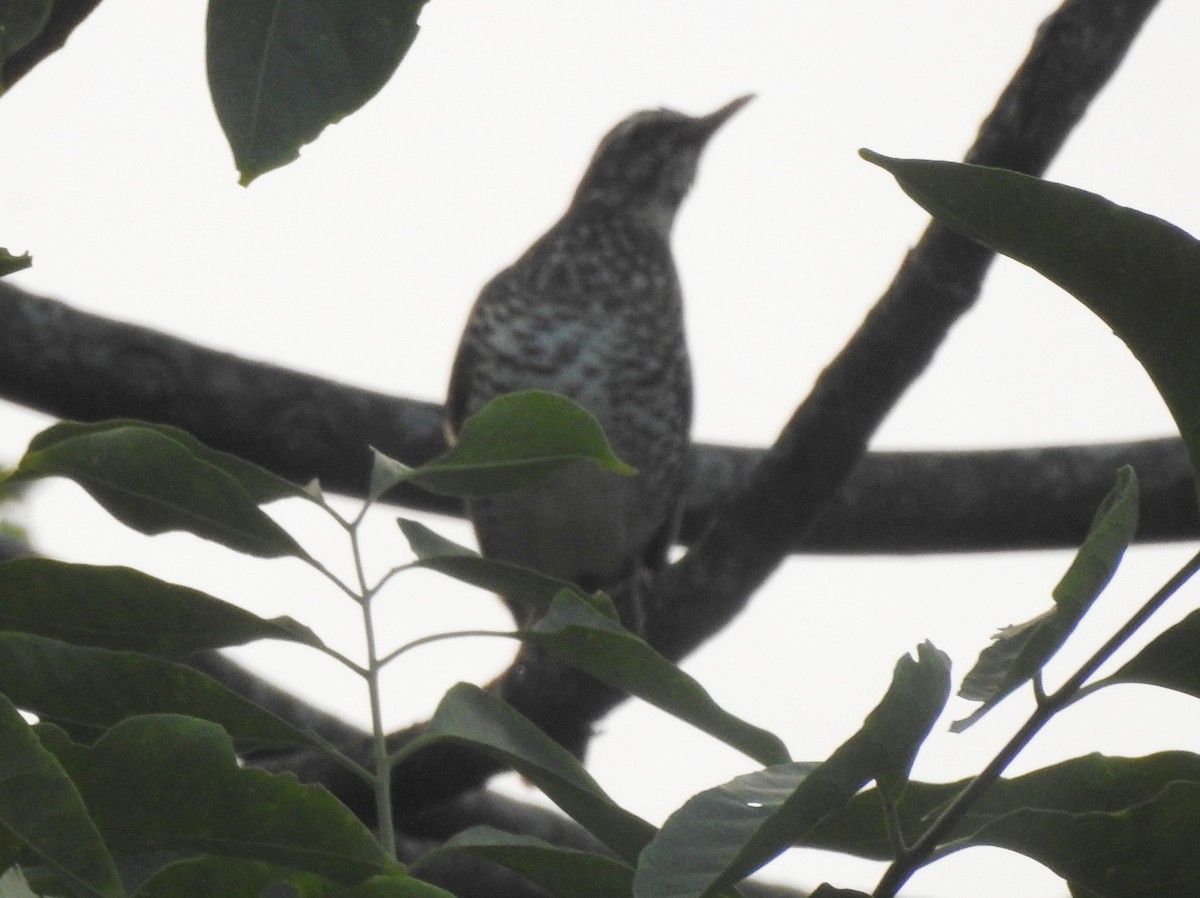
(516,441)
(1171,660)
(722,835)
(1135,271)
(563,872)
(41,808)
(1147,849)
(120,608)
(237,878)
(172,783)
(386,472)
(520,585)
(471,717)
(20,23)
(281,70)
(157,479)
(1094,820)
(8,262)
(575,633)
(1020,651)
(86,690)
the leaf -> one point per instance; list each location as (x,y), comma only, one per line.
(1135,271)
(1171,660)
(120,608)
(1147,849)
(41,808)
(575,633)
(8,262)
(471,717)
(563,872)
(89,689)
(520,585)
(722,835)
(173,783)
(237,878)
(156,479)
(281,70)
(1083,819)
(515,441)
(1020,651)
(20,23)
(386,472)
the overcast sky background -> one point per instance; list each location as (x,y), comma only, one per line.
(359,262)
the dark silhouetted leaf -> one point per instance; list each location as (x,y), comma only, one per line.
(174,783)
(519,585)
(575,633)
(42,810)
(515,441)
(10,263)
(722,835)
(236,878)
(120,608)
(1116,826)
(469,716)
(1135,271)
(1171,660)
(1020,651)
(281,70)
(563,872)
(157,479)
(86,690)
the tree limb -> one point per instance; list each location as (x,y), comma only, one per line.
(76,365)
(83,367)
(788,490)
(1075,52)
(65,16)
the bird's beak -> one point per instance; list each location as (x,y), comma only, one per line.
(714,120)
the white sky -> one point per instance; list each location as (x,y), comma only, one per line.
(359,262)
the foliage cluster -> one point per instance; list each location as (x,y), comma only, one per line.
(135,751)
(130,781)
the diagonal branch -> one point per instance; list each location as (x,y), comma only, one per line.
(81,366)
(1074,54)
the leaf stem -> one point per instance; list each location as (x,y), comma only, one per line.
(910,861)
(382,779)
(437,637)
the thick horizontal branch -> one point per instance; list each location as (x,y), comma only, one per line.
(816,488)
(72,364)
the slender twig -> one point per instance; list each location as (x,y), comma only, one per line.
(924,848)
(438,637)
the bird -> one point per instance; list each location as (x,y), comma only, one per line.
(593,311)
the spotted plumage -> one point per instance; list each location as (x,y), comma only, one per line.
(593,311)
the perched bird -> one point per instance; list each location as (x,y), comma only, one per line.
(593,311)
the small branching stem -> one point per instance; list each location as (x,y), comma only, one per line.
(925,847)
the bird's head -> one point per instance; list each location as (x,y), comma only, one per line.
(645,165)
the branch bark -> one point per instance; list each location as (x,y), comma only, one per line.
(790,488)
(76,365)
(813,489)
(1074,54)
